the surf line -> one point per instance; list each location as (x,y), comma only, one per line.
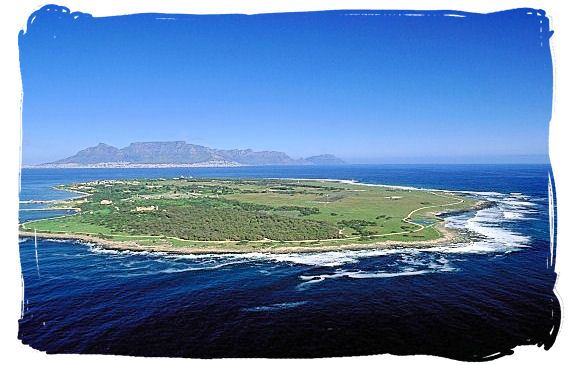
(37,260)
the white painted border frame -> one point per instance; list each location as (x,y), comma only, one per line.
(15,16)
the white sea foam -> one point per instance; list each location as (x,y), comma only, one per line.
(493,237)
(309,280)
(98,249)
(514,215)
(410,263)
(518,203)
(135,265)
(200,268)
(55,240)
(331,258)
(274,307)
(488,224)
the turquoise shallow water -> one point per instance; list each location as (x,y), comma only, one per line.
(423,221)
(466,301)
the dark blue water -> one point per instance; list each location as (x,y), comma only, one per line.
(469,301)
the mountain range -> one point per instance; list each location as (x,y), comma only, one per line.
(180,153)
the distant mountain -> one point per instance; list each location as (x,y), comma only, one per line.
(100,153)
(326,159)
(249,157)
(179,153)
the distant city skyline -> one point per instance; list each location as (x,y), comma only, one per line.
(373,88)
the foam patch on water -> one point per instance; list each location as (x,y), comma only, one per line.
(309,280)
(274,307)
(200,268)
(324,259)
(491,235)
(406,259)
(486,222)
(514,216)
(409,263)
(359,274)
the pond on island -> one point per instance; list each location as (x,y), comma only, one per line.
(423,221)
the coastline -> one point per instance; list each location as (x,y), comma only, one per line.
(449,237)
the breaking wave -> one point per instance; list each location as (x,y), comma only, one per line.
(274,307)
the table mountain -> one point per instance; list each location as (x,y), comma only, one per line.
(181,153)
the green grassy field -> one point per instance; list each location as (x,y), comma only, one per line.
(250,213)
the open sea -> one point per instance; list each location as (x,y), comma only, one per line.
(471,301)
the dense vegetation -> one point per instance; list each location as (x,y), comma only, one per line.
(209,219)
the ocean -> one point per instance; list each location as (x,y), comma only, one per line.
(471,301)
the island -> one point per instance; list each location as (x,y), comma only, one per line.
(198,215)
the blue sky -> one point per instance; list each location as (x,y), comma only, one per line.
(370,89)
